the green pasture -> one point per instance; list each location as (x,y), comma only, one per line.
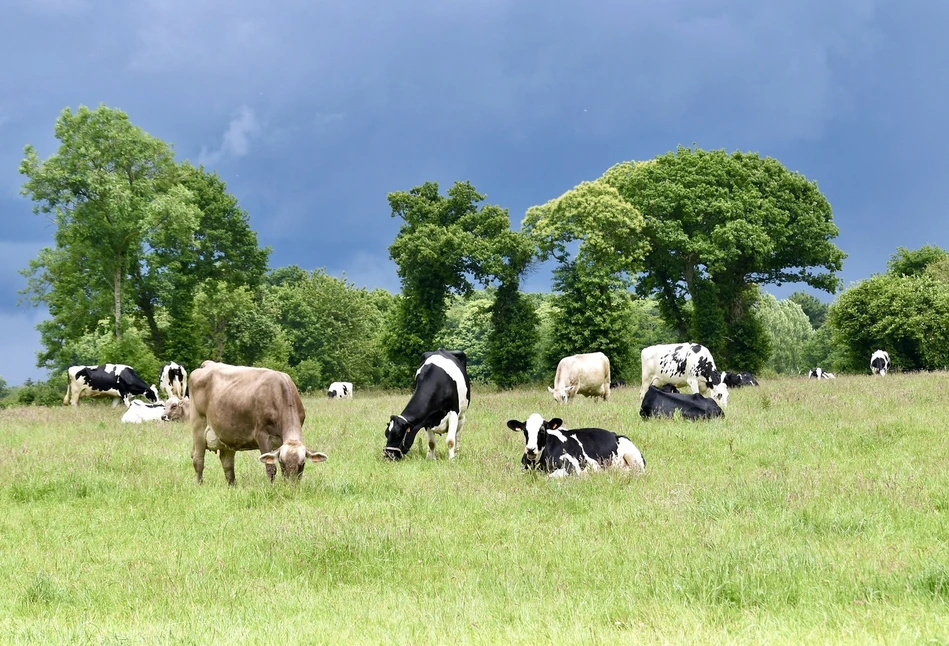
(815,512)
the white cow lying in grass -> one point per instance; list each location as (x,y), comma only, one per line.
(138,412)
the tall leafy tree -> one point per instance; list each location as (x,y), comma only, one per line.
(790,330)
(728,222)
(595,235)
(445,243)
(112,190)
(816,310)
(913,262)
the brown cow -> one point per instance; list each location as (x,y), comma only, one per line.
(177,410)
(236,408)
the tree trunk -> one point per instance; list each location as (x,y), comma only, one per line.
(117,291)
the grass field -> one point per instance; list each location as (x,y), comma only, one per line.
(815,512)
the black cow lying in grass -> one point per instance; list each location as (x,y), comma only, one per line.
(657,403)
(559,451)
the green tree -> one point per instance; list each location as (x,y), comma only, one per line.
(444,244)
(112,191)
(732,220)
(906,315)
(816,311)
(906,262)
(512,340)
(789,329)
(467,326)
(593,304)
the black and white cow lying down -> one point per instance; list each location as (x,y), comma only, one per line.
(438,404)
(817,373)
(739,379)
(107,380)
(555,450)
(658,403)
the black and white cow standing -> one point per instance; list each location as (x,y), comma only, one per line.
(817,373)
(550,448)
(880,362)
(659,403)
(683,364)
(340,390)
(438,404)
(173,380)
(107,380)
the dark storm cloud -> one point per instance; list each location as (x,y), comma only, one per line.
(312,112)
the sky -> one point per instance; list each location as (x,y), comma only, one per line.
(313,111)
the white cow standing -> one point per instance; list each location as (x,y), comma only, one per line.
(582,374)
(880,362)
(340,390)
(683,364)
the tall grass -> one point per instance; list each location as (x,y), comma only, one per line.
(814,512)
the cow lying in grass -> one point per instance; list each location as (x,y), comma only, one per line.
(559,452)
(659,403)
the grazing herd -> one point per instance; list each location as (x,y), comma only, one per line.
(238,408)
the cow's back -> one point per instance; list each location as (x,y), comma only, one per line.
(239,400)
(589,373)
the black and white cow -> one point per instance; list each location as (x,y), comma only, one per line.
(817,373)
(340,390)
(138,412)
(739,379)
(880,362)
(657,403)
(683,364)
(173,380)
(559,452)
(107,380)
(438,404)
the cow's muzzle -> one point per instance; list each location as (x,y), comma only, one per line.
(392,453)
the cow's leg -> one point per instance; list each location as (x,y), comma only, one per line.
(68,388)
(199,444)
(452,441)
(115,401)
(227,461)
(264,443)
(461,423)
(693,384)
(431,443)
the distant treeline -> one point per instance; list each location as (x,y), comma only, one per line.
(153,261)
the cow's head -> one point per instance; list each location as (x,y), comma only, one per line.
(717,386)
(535,435)
(152,394)
(331,393)
(399,438)
(562,395)
(177,410)
(292,457)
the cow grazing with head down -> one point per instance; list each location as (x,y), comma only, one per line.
(739,379)
(880,362)
(340,390)
(173,380)
(658,403)
(582,374)
(237,408)
(438,404)
(817,373)
(138,412)
(683,364)
(550,448)
(117,381)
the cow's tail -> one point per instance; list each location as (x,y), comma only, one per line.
(629,456)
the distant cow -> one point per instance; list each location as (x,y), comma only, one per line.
(582,374)
(173,380)
(817,373)
(557,451)
(694,406)
(107,380)
(683,364)
(438,404)
(340,390)
(138,412)
(177,410)
(880,362)
(739,379)
(236,408)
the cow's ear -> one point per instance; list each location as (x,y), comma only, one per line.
(316,457)
(554,424)
(268,458)
(515,425)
